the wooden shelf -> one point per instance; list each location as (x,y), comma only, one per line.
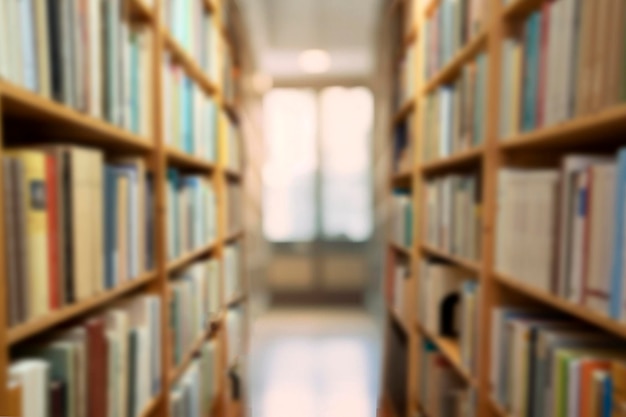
(237,299)
(590,129)
(520,8)
(451,350)
(177,371)
(181,159)
(233,237)
(402,179)
(401,249)
(404,111)
(470,265)
(53,319)
(190,65)
(496,408)
(140,10)
(190,257)
(461,58)
(410,37)
(210,6)
(62,123)
(557,303)
(460,160)
(149,409)
(397,317)
(431,7)
(232,175)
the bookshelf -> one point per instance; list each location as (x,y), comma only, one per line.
(599,130)
(29,119)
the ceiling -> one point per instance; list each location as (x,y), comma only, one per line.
(281,29)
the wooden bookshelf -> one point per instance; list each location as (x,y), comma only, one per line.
(28,118)
(404,111)
(470,265)
(454,162)
(402,179)
(401,249)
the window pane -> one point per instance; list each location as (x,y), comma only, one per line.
(290,118)
(347,118)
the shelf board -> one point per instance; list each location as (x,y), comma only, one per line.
(459,160)
(140,10)
(181,56)
(181,159)
(397,317)
(519,8)
(233,237)
(587,129)
(410,37)
(468,264)
(402,179)
(452,68)
(404,111)
(583,313)
(190,257)
(53,319)
(232,175)
(401,249)
(154,403)
(62,122)
(431,7)
(178,370)
(237,299)
(210,6)
(451,350)
(497,409)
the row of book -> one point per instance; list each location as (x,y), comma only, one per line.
(565,60)
(198,388)
(561,230)
(542,365)
(76,224)
(453,24)
(197,31)
(442,392)
(453,220)
(403,155)
(402,219)
(448,306)
(455,114)
(191,214)
(190,121)
(195,300)
(109,365)
(233,272)
(87,55)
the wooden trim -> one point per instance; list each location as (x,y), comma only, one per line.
(188,258)
(469,264)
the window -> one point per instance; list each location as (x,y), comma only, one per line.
(307,197)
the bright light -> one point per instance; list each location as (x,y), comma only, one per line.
(314,61)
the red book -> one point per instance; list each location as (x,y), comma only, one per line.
(52,202)
(97,369)
(543,60)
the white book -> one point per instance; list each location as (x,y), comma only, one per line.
(78,54)
(95,58)
(29,46)
(117,328)
(573,388)
(32,376)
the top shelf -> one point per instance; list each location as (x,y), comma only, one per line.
(60,122)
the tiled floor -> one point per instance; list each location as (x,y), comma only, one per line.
(314,363)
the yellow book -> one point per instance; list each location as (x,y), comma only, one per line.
(34,192)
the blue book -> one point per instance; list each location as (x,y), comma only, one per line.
(172,218)
(110,229)
(532,39)
(607,396)
(617,265)
(446,103)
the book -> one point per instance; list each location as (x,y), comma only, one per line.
(402,215)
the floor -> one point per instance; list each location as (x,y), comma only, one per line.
(314,363)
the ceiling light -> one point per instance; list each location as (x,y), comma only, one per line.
(314,61)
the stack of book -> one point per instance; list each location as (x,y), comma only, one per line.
(566,60)
(448,306)
(452,221)
(191,116)
(232,272)
(192,213)
(195,300)
(442,392)
(88,57)
(235,329)
(402,219)
(403,156)
(455,114)
(562,230)
(75,226)
(197,31)
(197,390)
(109,365)
(453,24)
(544,365)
